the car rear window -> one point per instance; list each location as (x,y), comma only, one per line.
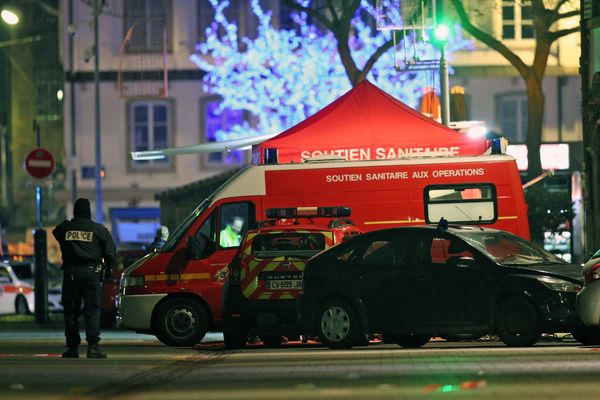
(23,271)
(301,244)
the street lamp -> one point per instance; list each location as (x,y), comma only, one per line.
(10,17)
(98,4)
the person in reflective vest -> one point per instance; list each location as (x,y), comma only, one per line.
(231,235)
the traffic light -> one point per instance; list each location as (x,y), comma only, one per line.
(441,33)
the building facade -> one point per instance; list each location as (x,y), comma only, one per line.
(31,83)
(150,95)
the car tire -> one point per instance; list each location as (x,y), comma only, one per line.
(271,341)
(589,335)
(338,326)
(518,323)
(412,341)
(181,322)
(21,306)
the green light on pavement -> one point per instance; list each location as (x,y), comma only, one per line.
(449,388)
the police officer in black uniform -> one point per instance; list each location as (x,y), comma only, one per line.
(85,246)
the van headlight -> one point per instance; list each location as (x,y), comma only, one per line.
(559,285)
(128,281)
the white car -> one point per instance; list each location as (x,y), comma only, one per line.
(25,271)
(588,299)
(16,295)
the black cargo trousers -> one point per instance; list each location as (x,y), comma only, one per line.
(81,282)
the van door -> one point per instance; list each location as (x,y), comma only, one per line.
(213,246)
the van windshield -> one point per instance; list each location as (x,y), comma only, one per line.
(508,249)
(184,226)
(298,244)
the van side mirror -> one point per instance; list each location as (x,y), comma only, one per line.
(199,247)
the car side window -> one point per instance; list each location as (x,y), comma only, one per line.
(347,255)
(456,249)
(5,275)
(440,250)
(383,252)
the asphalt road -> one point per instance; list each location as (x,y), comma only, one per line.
(140,367)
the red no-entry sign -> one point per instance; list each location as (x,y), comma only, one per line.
(39,163)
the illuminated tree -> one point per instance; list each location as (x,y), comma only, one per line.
(546,17)
(283,76)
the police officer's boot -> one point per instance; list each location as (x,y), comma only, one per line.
(94,352)
(71,352)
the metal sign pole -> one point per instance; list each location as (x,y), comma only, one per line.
(38,189)
(444,90)
(99,216)
(40,251)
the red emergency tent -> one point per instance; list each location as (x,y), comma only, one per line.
(367,123)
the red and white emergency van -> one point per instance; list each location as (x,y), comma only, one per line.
(176,293)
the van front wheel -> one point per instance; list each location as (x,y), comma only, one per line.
(181,322)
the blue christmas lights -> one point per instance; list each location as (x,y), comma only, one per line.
(281,77)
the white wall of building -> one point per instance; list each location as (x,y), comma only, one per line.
(124,185)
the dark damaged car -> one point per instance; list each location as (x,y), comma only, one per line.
(413,283)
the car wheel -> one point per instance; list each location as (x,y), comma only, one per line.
(338,325)
(587,335)
(21,306)
(271,341)
(518,323)
(412,340)
(181,322)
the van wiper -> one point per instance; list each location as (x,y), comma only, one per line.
(478,224)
